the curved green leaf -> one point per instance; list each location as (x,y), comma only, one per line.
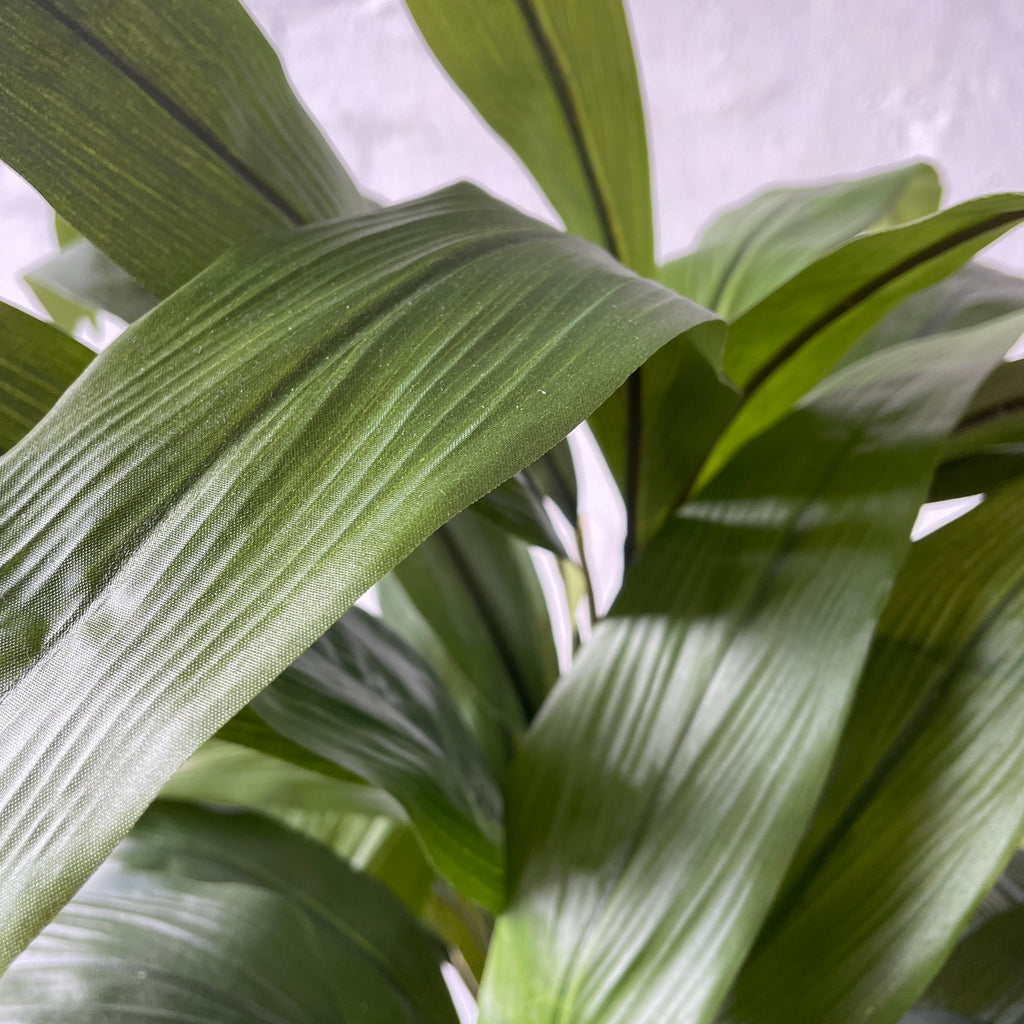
(752,249)
(164,132)
(924,806)
(663,789)
(233,471)
(360,698)
(37,364)
(557,81)
(790,340)
(224,919)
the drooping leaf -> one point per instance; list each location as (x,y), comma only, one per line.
(663,789)
(37,363)
(755,247)
(340,393)
(924,806)
(785,344)
(362,699)
(81,275)
(165,132)
(557,81)
(222,918)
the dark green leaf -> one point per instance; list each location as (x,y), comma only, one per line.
(752,249)
(37,364)
(164,132)
(174,540)
(786,343)
(224,918)
(924,806)
(362,699)
(662,791)
(556,80)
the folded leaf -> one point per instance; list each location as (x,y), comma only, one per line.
(362,699)
(165,133)
(752,249)
(557,81)
(225,918)
(37,363)
(785,344)
(233,471)
(924,807)
(665,785)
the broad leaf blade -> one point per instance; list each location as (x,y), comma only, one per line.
(218,919)
(362,699)
(924,807)
(789,341)
(241,464)
(751,250)
(659,797)
(37,363)
(164,132)
(557,81)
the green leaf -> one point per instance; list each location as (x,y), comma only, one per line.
(165,133)
(752,249)
(82,276)
(216,919)
(662,791)
(175,539)
(785,344)
(362,699)
(983,979)
(477,589)
(37,364)
(924,806)
(557,81)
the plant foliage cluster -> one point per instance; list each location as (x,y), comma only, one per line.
(781,781)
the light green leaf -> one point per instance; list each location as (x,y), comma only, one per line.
(663,789)
(224,919)
(165,132)
(37,363)
(557,81)
(362,699)
(790,340)
(81,275)
(174,540)
(753,248)
(924,806)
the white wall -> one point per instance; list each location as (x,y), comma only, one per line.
(740,94)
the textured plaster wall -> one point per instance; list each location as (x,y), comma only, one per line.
(739,93)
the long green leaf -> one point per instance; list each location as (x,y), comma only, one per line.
(786,343)
(557,81)
(925,805)
(658,799)
(239,466)
(37,363)
(164,132)
(360,698)
(217,919)
(752,249)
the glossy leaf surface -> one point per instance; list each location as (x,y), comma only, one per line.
(557,81)
(223,918)
(340,392)
(165,133)
(924,807)
(751,250)
(663,789)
